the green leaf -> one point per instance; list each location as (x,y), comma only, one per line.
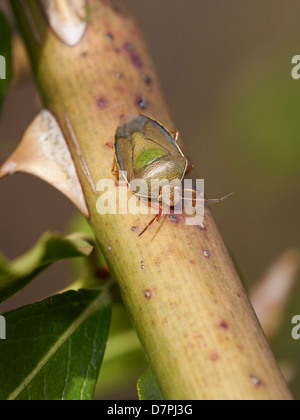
(124,358)
(148,388)
(15,275)
(54,348)
(89,272)
(5,57)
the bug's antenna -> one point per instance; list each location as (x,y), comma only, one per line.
(208,200)
(218,200)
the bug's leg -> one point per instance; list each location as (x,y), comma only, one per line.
(118,182)
(114,169)
(156,217)
(117,174)
(189,169)
(176,135)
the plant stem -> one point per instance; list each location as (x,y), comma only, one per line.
(183,294)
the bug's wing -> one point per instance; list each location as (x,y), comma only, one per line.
(123,149)
(167,168)
(158,134)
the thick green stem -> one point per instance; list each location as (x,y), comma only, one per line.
(183,294)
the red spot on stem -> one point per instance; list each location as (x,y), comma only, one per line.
(256,381)
(102,102)
(224,325)
(133,56)
(214,357)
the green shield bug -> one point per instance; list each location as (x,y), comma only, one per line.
(145,149)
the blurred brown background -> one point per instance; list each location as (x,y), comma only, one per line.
(226,71)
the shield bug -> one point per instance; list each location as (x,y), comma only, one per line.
(145,149)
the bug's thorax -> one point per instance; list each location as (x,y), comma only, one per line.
(145,151)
